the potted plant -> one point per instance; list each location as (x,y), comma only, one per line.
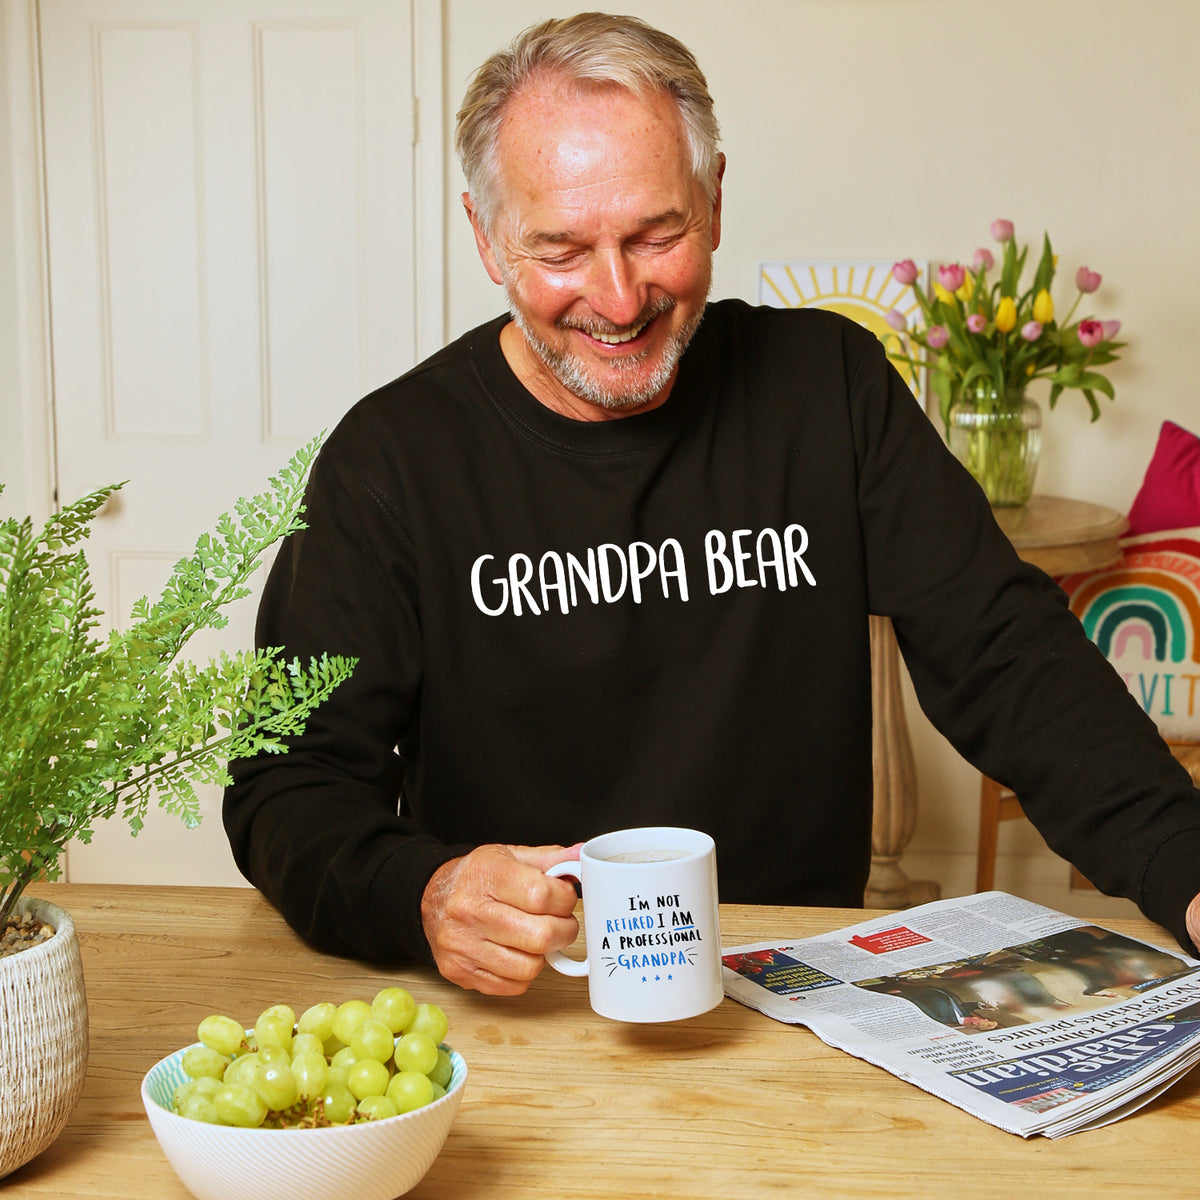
(95,727)
(985,340)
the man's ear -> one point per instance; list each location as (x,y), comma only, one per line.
(716,212)
(482,242)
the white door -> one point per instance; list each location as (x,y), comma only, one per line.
(230,220)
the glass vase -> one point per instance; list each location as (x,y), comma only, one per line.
(997,436)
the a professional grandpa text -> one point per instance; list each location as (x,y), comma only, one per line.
(653,934)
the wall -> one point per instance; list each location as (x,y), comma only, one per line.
(896,128)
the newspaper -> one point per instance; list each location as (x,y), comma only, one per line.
(1032,1020)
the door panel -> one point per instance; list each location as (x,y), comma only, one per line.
(231,248)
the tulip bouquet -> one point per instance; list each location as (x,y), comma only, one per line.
(981,331)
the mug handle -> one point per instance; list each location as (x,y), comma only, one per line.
(561,962)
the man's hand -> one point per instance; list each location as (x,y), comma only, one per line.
(491,915)
(1193,921)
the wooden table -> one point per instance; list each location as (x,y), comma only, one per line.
(562,1103)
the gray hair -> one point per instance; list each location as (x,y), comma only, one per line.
(589,50)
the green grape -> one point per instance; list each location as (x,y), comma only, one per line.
(332,1045)
(336,1075)
(344,1058)
(339,1103)
(395,1008)
(373,1039)
(310,1071)
(199,1107)
(376,1108)
(307,1043)
(442,1069)
(242,1070)
(410,1090)
(274,1030)
(222,1034)
(206,1085)
(416,1051)
(241,1106)
(438,1090)
(282,1013)
(276,1084)
(368,1077)
(182,1092)
(318,1020)
(273,1054)
(348,1018)
(201,1060)
(431,1020)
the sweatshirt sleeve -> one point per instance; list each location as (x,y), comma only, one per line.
(1004,670)
(319,829)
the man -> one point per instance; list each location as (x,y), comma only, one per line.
(609,560)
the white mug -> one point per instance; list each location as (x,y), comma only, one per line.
(651,923)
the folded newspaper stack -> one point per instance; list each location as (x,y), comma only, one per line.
(1031,1020)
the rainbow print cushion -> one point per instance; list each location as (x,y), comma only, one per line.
(1143,613)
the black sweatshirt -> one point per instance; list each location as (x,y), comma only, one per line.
(567,627)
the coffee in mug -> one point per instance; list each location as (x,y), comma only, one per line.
(645,856)
(651,923)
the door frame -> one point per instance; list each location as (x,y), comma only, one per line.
(34,373)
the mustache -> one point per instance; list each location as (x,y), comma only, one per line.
(596,325)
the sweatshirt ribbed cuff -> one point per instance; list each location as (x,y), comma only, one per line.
(1170,883)
(397,890)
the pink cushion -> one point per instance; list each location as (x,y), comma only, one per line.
(1170,494)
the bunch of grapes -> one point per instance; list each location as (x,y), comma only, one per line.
(336,1065)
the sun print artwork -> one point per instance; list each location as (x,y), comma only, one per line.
(863,290)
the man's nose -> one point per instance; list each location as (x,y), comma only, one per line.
(616,290)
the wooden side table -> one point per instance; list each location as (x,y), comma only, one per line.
(1061,536)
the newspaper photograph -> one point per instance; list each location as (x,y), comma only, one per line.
(1032,1020)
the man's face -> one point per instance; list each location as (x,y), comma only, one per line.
(603,242)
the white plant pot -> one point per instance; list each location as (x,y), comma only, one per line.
(43,1039)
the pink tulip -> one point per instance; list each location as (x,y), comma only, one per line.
(896,320)
(977,322)
(1087,281)
(1002,230)
(1031,330)
(936,336)
(905,272)
(1111,329)
(951,277)
(1091,333)
(983,259)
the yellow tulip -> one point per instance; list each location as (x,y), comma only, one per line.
(1006,314)
(944,296)
(967,290)
(1043,307)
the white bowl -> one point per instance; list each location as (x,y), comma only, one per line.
(376,1160)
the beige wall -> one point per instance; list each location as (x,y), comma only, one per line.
(897,128)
